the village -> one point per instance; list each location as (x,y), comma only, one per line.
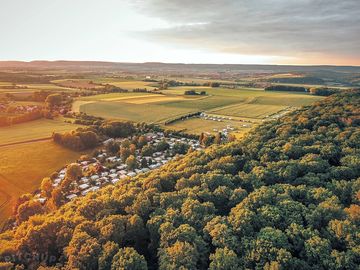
(11,108)
(110,169)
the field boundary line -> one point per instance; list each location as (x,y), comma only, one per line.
(28,141)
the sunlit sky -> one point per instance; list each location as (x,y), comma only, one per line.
(182,31)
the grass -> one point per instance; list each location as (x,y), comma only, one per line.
(250,110)
(151,113)
(33,130)
(113,96)
(198,125)
(253,103)
(131,85)
(79,84)
(23,166)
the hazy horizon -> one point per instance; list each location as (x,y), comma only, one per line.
(205,32)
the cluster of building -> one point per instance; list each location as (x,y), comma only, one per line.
(225,131)
(7,107)
(214,117)
(279,114)
(105,169)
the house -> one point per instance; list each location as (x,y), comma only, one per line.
(114,181)
(71,197)
(95,188)
(83,193)
(84,186)
(122,167)
(131,174)
(84,179)
(122,172)
(94,177)
(108,141)
(41,200)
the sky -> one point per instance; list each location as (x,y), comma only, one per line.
(303,32)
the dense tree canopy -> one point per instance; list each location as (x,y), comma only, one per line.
(285,197)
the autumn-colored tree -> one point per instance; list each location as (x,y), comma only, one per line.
(128,259)
(131,162)
(46,187)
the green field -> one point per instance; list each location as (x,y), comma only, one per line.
(150,113)
(131,85)
(33,130)
(32,88)
(198,126)
(23,166)
(259,111)
(112,96)
(247,102)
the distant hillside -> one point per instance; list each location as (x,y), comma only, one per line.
(175,67)
(298,80)
(286,197)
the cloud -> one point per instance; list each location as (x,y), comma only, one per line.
(289,28)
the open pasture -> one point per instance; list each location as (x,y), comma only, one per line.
(33,130)
(150,113)
(23,166)
(259,111)
(131,85)
(252,104)
(114,96)
(80,84)
(199,125)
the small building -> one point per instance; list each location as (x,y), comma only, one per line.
(94,177)
(84,186)
(71,197)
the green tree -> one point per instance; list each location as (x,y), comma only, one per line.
(224,259)
(53,100)
(131,162)
(128,259)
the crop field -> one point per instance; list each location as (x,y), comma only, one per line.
(199,125)
(30,88)
(250,110)
(23,166)
(33,130)
(131,85)
(247,103)
(150,113)
(81,84)
(114,96)
(160,99)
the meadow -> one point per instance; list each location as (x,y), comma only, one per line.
(23,166)
(33,130)
(31,88)
(242,103)
(198,126)
(259,111)
(131,85)
(150,113)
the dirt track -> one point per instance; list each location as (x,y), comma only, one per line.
(29,141)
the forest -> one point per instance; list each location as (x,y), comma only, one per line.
(284,197)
